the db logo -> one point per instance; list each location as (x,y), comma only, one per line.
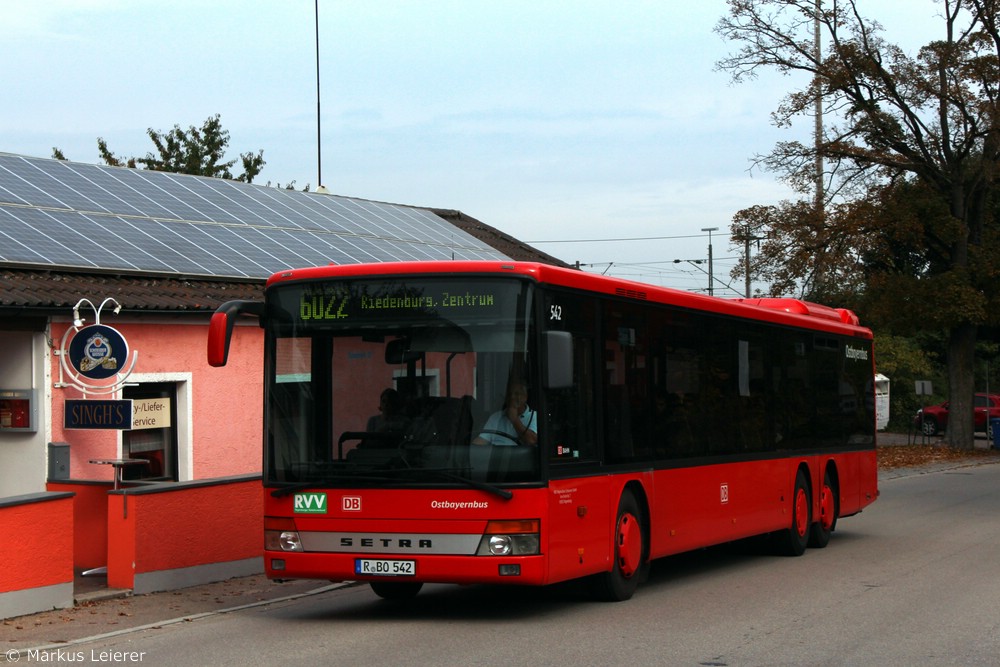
(724,493)
(350,503)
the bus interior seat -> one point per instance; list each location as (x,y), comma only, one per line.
(377,457)
(442,430)
(618,423)
(509,462)
(479,461)
(374,448)
(442,420)
(450,457)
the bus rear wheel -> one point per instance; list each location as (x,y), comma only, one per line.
(829,506)
(396,590)
(630,553)
(793,540)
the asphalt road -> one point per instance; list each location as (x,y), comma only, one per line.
(914,580)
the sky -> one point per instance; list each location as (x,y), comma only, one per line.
(598,131)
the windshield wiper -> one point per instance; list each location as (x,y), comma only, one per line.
(443,474)
(326,480)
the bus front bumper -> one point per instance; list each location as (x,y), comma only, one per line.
(527,570)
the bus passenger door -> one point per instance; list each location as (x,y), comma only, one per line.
(578,505)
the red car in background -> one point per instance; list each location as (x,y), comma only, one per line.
(933,419)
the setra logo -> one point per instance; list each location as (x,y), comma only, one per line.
(309,503)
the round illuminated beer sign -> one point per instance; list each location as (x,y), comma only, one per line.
(98,351)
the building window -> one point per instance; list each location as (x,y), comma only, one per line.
(153,437)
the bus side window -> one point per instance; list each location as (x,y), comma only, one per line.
(572,409)
(569,429)
(626,382)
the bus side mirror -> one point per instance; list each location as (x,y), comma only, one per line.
(220,329)
(558,359)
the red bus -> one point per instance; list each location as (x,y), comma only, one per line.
(397,450)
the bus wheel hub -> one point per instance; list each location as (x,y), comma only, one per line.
(629,546)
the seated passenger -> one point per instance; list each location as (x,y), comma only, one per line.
(390,418)
(514,424)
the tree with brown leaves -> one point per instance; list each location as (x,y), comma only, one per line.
(927,124)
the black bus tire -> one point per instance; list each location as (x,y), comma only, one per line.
(630,553)
(792,541)
(829,507)
(396,590)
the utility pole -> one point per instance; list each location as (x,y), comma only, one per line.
(746,260)
(711,288)
(746,257)
(818,92)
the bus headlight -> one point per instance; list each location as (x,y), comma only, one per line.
(280,534)
(500,545)
(510,538)
(282,540)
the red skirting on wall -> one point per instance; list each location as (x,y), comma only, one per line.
(173,535)
(37,571)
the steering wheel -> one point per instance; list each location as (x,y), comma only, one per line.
(502,434)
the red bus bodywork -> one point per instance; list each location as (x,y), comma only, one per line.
(686,507)
(683,506)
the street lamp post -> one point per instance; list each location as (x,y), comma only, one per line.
(319,134)
(746,255)
(711,290)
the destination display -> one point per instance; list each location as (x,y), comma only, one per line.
(345,302)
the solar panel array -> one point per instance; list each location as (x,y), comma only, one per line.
(55,213)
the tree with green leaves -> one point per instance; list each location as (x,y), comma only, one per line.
(197,151)
(928,122)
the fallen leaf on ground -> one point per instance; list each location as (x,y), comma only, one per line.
(907,456)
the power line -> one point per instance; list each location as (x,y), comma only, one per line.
(634,238)
(664,261)
(669,273)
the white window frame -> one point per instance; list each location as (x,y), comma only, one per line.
(184,426)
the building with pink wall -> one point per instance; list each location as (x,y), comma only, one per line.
(167,249)
(214,407)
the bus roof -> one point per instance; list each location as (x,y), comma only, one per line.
(793,312)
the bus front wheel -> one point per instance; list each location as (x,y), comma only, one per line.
(396,590)
(630,553)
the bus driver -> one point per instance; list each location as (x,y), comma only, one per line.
(514,424)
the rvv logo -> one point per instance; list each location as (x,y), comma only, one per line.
(309,503)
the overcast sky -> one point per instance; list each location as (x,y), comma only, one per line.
(551,120)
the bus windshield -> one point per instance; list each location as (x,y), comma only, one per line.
(397,382)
